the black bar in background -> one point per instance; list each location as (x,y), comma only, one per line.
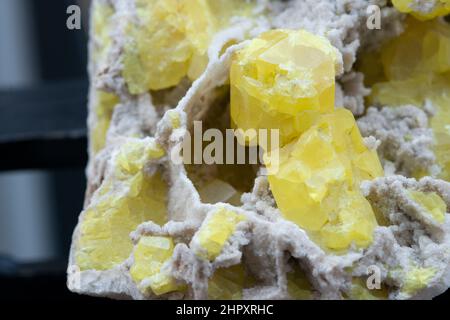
(44,127)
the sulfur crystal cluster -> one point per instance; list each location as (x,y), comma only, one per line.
(416,69)
(354,180)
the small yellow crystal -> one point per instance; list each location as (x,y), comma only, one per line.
(431,202)
(282,80)
(417,279)
(216,231)
(171,40)
(150,254)
(118,207)
(316,182)
(417,70)
(429,10)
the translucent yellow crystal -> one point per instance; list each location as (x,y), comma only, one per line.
(316,182)
(171,40)
(216,231)
(431,202)
(227,283)
(282,80)
(150,254)
(103,108)
(430,9)
(122,202)
(417,70)
(416,279)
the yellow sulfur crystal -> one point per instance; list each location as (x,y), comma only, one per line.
(227,283)
(316,182)
(417,70)
(216,231)
(431,202)
(119,206)
(171,40)
(283,80)
(150,254)
(103,108)
(417,279)
(423,10)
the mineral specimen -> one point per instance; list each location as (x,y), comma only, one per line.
(320,214)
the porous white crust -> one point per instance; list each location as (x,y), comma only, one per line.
(265,242)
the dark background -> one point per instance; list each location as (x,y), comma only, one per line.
(43,96)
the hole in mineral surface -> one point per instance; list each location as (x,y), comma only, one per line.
(220,182)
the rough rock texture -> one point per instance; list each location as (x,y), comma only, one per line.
(406,140)
(405,248)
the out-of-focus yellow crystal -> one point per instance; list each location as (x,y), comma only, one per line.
(298,285)
(227,283)
(417,70)
(103,108)
(171,40)
(423,10)
(216,231)
(416,279)
(283,80)
(316,182)
(150,254)
(431,202)
(122,202)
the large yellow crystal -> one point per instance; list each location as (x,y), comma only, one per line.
(431,203)
(171,40)
(429,10)
(122,202)
(283,80)
(417,70)
(316,182)
(150,254)
(216,231)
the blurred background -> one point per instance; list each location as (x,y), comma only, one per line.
(43,96)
